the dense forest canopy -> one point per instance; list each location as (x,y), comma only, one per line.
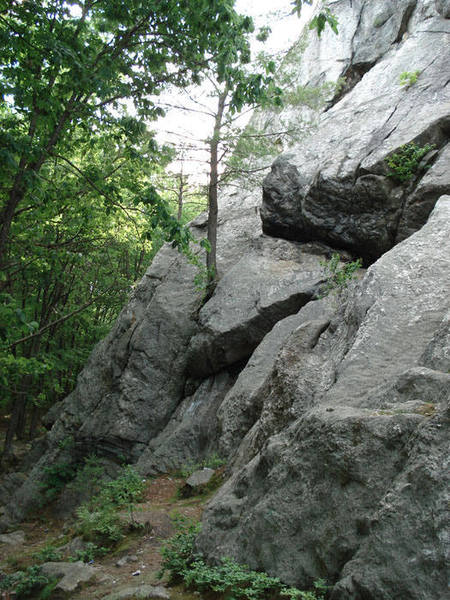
(80,212)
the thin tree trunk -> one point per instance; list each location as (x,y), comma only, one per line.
(211,257)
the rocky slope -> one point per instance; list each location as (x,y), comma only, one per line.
(332,413)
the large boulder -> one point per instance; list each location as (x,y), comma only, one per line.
(336,185)
(352,486)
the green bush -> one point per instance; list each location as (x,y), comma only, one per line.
(405,163)
(178,551)
(229,579)
(338,277)
(100,523)
(90,552)
(99,518)
(56,478)
(24,583)
(47,553)
(214,461)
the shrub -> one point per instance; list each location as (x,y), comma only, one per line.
(229,578)
(405,163)
(214,461)
(89,553)
(24,583)
(47,553)
(100,523)
(99,519)
(56,478)
(338,277)
(178,552)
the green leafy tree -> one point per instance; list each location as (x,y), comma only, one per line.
(80,216)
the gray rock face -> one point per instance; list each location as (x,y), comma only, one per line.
(200,477)
(139,592)
(244,411)
(16,538)
(72,574)
(359,472)
(273,281)
(335,185)
(443,7)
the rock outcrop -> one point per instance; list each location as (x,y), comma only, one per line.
(332,412)
(336,185)
(353,486)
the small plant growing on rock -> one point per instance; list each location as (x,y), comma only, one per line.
(408,78)
(338,277)
(405,163)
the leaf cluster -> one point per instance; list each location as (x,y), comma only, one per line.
(408,78)
(405,163)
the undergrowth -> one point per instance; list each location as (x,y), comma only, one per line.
(229,579)
(99,520)
(24,583)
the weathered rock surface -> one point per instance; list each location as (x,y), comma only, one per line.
(274,280)
(16,538)
(334,186)
(360,470)
(139,592)
(72,574)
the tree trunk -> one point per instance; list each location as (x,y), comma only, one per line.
(211,257)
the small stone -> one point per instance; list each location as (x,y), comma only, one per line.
(138,572)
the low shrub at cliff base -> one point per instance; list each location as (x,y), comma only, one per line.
(99,519)
(229,579)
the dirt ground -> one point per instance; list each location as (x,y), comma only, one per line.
(160,505)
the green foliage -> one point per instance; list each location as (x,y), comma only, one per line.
(48,553)
(99,518)
(100,523)
(320,20)
(320,590)
(405,163)
(338,277)
(178,552)
(56,477)
(89,553)
(80,218)
(88,477)
(408,78)
(24,583)
(229,579)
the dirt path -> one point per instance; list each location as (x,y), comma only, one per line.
(141,547)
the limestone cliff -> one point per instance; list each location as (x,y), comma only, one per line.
(332,413)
